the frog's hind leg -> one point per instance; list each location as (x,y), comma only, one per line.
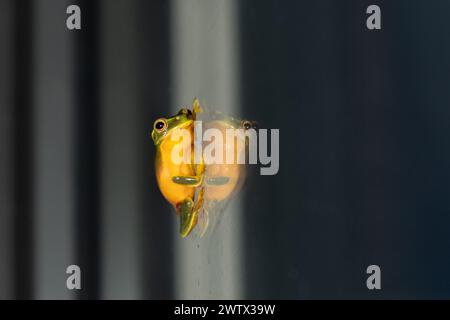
(201,212)
(203,221)
(188,217)
(190,212)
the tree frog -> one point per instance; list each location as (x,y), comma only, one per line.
(194,188)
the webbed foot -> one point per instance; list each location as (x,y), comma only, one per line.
(188,217)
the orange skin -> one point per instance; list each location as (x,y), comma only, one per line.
(166,169)
(231,171)
(179,182)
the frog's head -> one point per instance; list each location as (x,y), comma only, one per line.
(162,126)
(247,125)
(241,124)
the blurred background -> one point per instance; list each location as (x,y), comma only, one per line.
(364,153)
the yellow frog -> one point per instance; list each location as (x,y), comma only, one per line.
(192,188)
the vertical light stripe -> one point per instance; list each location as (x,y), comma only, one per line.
(53,149)
(204,48)
(120,203)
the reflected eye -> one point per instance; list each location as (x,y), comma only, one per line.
(247,125)
(160,125)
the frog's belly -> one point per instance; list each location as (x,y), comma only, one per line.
(222,192)
(233,171)
(173,192)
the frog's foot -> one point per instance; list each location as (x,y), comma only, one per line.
(188,217)
(203,222)
(216,181)
(196,108)
(192,181)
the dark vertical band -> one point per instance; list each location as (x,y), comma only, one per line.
(86,146)
(23,153)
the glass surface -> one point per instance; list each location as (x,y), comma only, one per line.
(364,171)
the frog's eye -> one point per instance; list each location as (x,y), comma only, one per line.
(160,125)
(246,124)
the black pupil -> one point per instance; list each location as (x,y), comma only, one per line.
(247,125)
(159,125)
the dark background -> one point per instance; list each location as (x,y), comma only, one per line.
(364,153)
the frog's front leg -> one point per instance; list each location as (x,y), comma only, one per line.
(217,181)
(188,217)
(192,181)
